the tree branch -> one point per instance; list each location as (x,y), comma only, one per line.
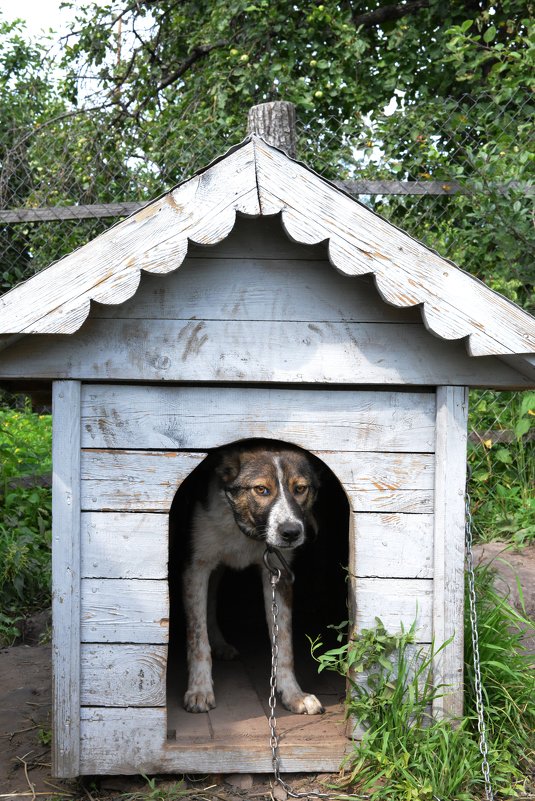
(198,52)
(388,13)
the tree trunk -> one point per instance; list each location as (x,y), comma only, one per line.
(275,123)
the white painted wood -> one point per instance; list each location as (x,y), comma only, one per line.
(393,546)
(237,350)
(455,305)
(257,288)
(260,237)
(256,179)
(206,417)
(155,239)
(147,481)
(134,481)
(130,741)
(127,611)
(401,501)
(66,578)
(450,479)
(119,545)
(123,675)
(395,602)
(381,472)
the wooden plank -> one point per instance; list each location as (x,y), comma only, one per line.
(384,472)
(386,187)
(400,501)
(123,675)
(130,741)
(407,273)
(204,417)
(384,482)
(147,481)
(445,187)
(119,545)
(254,351)
(87,211)
(395,602)
(155,239)
(127,611)
(66,578)
(239,713)
(450,479)
(432,188)
(255,288)
(393,545)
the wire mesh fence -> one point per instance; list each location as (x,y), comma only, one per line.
(453,173)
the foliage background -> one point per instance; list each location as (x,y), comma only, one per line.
(140,94)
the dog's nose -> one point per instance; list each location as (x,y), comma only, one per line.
(289,532)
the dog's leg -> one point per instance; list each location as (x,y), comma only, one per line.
(221,649)
(199,696)
(292,696)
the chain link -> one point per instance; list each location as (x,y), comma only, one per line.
(481,725)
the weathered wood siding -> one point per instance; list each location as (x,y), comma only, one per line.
(66,578)
(139,443)
(228,314)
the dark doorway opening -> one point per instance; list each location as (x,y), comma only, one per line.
(242,685)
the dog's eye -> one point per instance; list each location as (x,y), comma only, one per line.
(300,489)
(261,490)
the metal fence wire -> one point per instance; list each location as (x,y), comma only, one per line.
(451,172)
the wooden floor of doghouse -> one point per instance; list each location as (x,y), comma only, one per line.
(241,716)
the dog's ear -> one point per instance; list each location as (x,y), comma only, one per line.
(228,467)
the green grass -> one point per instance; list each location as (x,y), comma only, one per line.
(25,520)
(406,755)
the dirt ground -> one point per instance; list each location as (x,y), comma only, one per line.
(25,698)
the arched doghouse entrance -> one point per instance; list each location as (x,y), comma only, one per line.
(242,685)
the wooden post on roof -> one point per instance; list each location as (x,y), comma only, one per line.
(276,124)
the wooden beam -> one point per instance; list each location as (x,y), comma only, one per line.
(92,211)
(95,211)
(450,479)
(66,579)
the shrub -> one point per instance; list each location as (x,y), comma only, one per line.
(25,520)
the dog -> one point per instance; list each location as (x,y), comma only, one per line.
(256,495)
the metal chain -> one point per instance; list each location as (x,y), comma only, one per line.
(275,577)
(481,725)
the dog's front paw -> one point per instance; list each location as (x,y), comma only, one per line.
(198,701)
(303,704)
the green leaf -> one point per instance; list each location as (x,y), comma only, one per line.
(522,427)
(489,34)
(503,456)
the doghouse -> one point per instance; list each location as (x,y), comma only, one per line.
(255,300)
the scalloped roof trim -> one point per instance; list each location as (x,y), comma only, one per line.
(256,179)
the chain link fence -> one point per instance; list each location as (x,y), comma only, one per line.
(452,173)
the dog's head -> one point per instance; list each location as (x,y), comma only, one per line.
(271,492)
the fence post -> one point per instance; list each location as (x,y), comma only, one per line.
(276,124)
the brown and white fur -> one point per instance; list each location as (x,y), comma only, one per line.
(256,496)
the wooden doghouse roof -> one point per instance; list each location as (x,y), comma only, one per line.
(256,179)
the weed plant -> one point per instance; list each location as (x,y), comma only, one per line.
(507,672)
(25,519)
(405,754)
